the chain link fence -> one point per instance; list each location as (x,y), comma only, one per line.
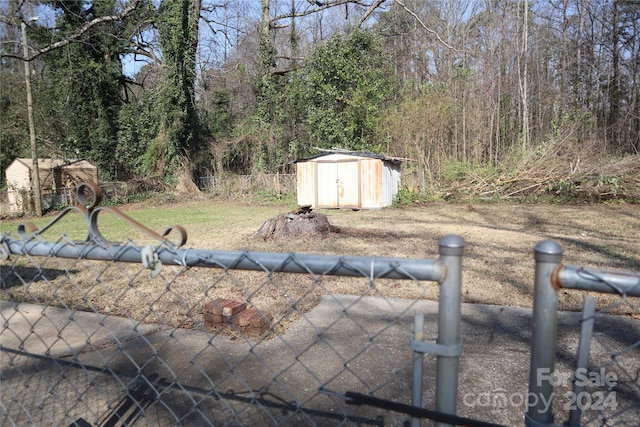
(103,333)
(606,387)
(179,353)
(97,333)
(601,385)
(234,185)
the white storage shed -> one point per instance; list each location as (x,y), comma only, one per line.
(56,176)
(341,179)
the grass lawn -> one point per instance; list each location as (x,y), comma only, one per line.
(497,268)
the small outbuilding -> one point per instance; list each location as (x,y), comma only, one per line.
(343,179)
(58,179)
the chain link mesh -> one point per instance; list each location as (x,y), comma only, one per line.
(95,342)
(90,337)
(611,382)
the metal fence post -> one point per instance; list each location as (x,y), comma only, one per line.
(451,248)
(548,255)
(584,346)
(418,361)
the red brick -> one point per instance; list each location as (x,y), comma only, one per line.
(233,308)
(214,318)
(217,305)
(260,320)
(244,318)
(224,314)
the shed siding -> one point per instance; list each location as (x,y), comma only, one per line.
(349,184)
(371,183)
(326,185)
(394,182)
(391,183)
(18,178)
(305,183)
(347,181)
(18,175)
(53,174)
(337,184)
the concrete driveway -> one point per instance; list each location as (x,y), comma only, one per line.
(61,367)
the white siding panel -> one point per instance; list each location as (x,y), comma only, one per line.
(338,184)
(371,176)
(395,181)
(327,174)
(18,175)
(348,184)
(306,183)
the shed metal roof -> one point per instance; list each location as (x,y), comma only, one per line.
(353,153)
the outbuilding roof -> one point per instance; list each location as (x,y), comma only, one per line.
(353,153)
(55,163)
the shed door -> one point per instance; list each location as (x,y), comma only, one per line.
(338,184)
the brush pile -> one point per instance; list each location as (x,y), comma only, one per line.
(558,177)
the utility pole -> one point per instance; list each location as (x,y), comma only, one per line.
(37,196)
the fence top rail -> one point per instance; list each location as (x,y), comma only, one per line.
(597,280)
(154,257)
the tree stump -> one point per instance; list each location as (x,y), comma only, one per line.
(300,222)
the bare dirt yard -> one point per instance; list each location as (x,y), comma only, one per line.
(498,264)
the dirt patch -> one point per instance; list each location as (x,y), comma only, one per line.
(498,262)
